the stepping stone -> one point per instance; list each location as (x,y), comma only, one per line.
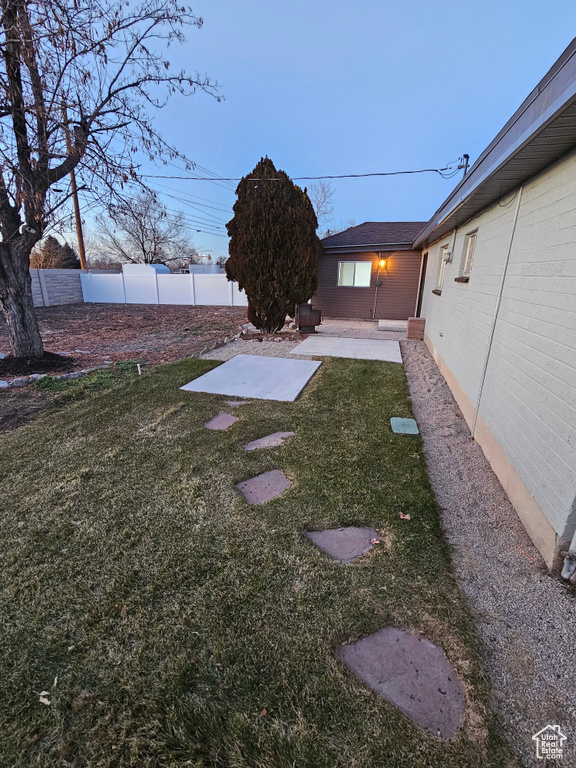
(235,403)
(404,426)
(345,544)
(221,422)
(270,441)
(264,487)
(411,673)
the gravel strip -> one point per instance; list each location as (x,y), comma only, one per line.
(265,348)
(526,620)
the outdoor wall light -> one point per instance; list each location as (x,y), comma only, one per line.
(382,262)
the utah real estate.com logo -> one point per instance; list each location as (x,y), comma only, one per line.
(549,743)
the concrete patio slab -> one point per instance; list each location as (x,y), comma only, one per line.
(221,422)
(345,544)
(404,426)
(358,349)
(411,673)
(270,441)
(265,487)
(263,378)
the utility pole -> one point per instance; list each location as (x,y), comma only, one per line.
(74,188)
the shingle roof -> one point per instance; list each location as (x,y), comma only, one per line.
(376,233)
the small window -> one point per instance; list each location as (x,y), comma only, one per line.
(468,255)
(354,274)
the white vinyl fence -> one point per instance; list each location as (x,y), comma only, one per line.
(159,288)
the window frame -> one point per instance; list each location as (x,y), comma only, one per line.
(444,250)
(470,241)
(363,261)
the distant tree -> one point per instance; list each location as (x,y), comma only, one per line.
(274,249)
(321,195)
(221,261)
(51,254)
(70,259)
(101,261)
(143,231)
(340,228)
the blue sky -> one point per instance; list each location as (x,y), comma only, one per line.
(334,88)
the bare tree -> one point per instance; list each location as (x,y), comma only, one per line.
(339,228)
(77,81)
(142,231)
(321,195)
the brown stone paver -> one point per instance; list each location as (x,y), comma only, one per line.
(270,441)
(265,487)
(345,544)
(411,673)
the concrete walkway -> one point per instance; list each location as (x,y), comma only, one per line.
(356,329)
(344,328)
(352,348)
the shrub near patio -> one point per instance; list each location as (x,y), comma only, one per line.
(169,623)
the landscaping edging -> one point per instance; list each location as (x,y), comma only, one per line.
(23,381)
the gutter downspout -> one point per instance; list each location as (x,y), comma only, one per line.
(496,311)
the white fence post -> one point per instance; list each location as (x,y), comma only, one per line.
(231,293)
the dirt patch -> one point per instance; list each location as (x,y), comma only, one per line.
(25,366)
(80,336)
(280,336)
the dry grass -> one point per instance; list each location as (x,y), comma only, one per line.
(187,628)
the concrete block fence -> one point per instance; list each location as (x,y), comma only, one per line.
(51,287)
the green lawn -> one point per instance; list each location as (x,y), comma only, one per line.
(186,628)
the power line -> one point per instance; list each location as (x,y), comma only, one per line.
(216,207)
(207,216)
(440,171)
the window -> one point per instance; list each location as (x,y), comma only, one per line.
(354,274)
(468,255)
(444,256)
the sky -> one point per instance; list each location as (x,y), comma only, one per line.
(325,87)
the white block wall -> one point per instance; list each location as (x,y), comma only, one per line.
(529,397)
(187,289)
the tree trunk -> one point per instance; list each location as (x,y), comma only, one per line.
(16,298)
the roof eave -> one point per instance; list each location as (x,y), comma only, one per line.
(539,141)
(359,247)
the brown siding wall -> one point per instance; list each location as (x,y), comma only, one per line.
(397,295)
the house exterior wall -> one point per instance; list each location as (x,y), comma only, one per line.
(527,416)
(397,295)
